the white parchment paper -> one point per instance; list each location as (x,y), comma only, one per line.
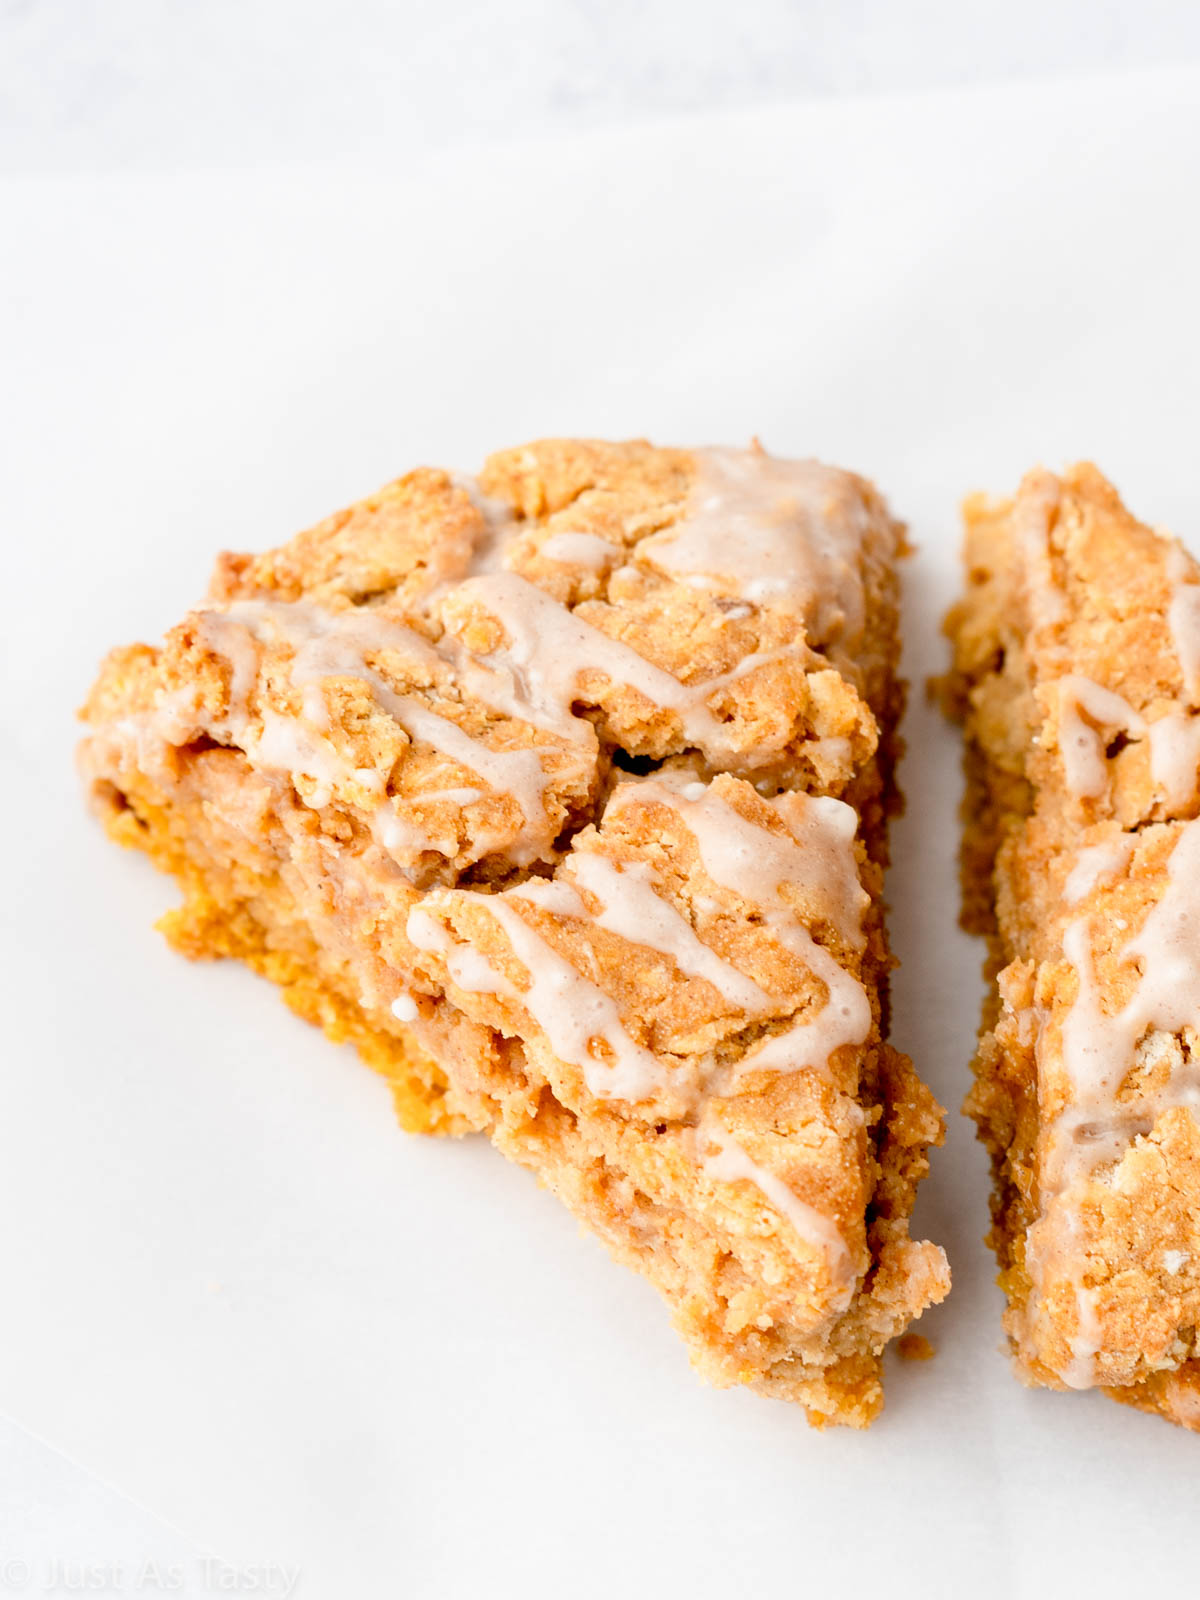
(231,1286)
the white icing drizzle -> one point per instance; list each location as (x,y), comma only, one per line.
(1080,744)
(284,744)
(759,528)
(573,1013)
(730,1163)
(239,646)
(631,907)
(1099,1050)
(570,1009)
(1183,617)
(515,772)
(425,933)
(550,648)
(399,837)
(768,530)
(580,550)
(499,525)
(816,858)
(335,645)
(1095,864)
(773,532)
(1175,755)
(552,894)
(474,973)
(1174,740)
(844,1019)
(534,678)
(1032,516)
(1086,1342)
(468,968)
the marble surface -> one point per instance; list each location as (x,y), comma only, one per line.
(167,83)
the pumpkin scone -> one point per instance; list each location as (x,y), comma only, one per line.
(1077,676)
(563,793)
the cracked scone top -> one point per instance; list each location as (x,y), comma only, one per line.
(1076,656)
(563,793)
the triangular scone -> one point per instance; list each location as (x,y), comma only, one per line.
(1077,674)
(563,794)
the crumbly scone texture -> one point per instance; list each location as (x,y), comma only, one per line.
(1075,678)
(573,821)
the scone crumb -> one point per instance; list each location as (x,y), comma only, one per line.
(914,1347)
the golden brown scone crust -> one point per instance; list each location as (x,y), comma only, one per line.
(364,724)
(1069,825)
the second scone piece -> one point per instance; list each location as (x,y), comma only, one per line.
(1077,674)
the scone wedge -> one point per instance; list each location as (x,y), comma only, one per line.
(563,794)
(1077,675)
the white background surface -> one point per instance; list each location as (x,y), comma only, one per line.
(233,1291)
(164,84)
